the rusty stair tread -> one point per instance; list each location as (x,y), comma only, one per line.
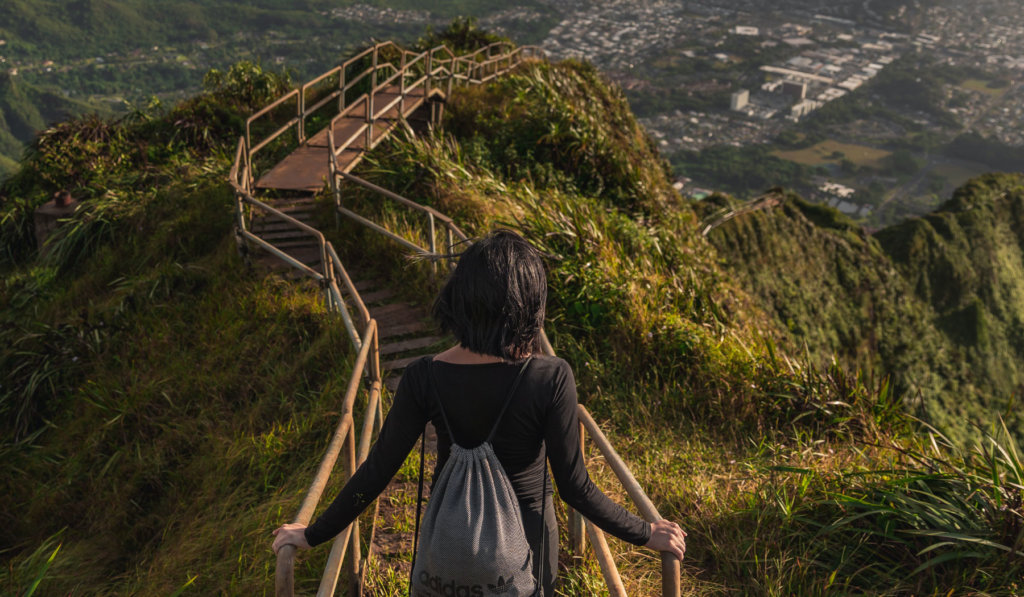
(305,169)
(269,219)
(377,296)
(298,243)
(412,344)
(309,255)
(292,202)
(405,329)
(291,233)
(275,224)
(383,311)
(395,318)
(396,364)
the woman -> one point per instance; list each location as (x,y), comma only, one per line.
(493,304)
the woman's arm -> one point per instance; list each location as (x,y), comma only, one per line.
(402,426)
(561,435)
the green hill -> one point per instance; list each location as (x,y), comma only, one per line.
(965,261)
(934,301)
(26,109)
(163,405)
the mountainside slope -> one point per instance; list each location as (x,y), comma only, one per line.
(26,109)
(966,261)
(935,301)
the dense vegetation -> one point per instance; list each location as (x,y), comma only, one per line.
(163,405)
(933,301)
(24,110)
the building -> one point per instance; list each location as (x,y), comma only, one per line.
(802,108)
(739,100)
(794,89)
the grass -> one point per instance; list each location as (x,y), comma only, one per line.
(983,87)
(827,152)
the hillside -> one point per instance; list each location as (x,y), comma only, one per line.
(164,404)
(934,301)
(966,261)
(24,110)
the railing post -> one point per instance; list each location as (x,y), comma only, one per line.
(430,73)
(369,100)
(248,140)
(354,553)
(451,78)
(284,573)
(325,265)
(433,243)
(670,576)
(577,530)
(375,355)
(301,104)
(332,171)
(341,88)
(401,87)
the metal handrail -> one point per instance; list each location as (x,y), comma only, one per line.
(343,438)
(434,217)
(670,583)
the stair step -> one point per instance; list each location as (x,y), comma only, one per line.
(290,233)
(292,203)
(391,382)
(404,329)
(362,285)
(308,255)
(413,344)
(271,223)
(377,296)
(298,243)
(392,308)
(396,364)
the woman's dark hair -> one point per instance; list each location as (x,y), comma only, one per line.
(493,303)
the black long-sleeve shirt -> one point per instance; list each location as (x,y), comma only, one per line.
(542,415)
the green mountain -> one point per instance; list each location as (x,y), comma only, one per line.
(966,262)
(163,404)
(26,109)
(936,301)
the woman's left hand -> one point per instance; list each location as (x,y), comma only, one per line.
(290,534)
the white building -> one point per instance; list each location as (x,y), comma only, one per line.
(739,100)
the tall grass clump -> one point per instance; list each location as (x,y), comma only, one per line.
(562,125)
(939,516)
(114,166)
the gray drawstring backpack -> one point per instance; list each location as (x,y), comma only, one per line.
(471,542)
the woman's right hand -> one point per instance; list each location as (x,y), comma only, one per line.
(667,536)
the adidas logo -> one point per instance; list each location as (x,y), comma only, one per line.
(435,585)
(502,586)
